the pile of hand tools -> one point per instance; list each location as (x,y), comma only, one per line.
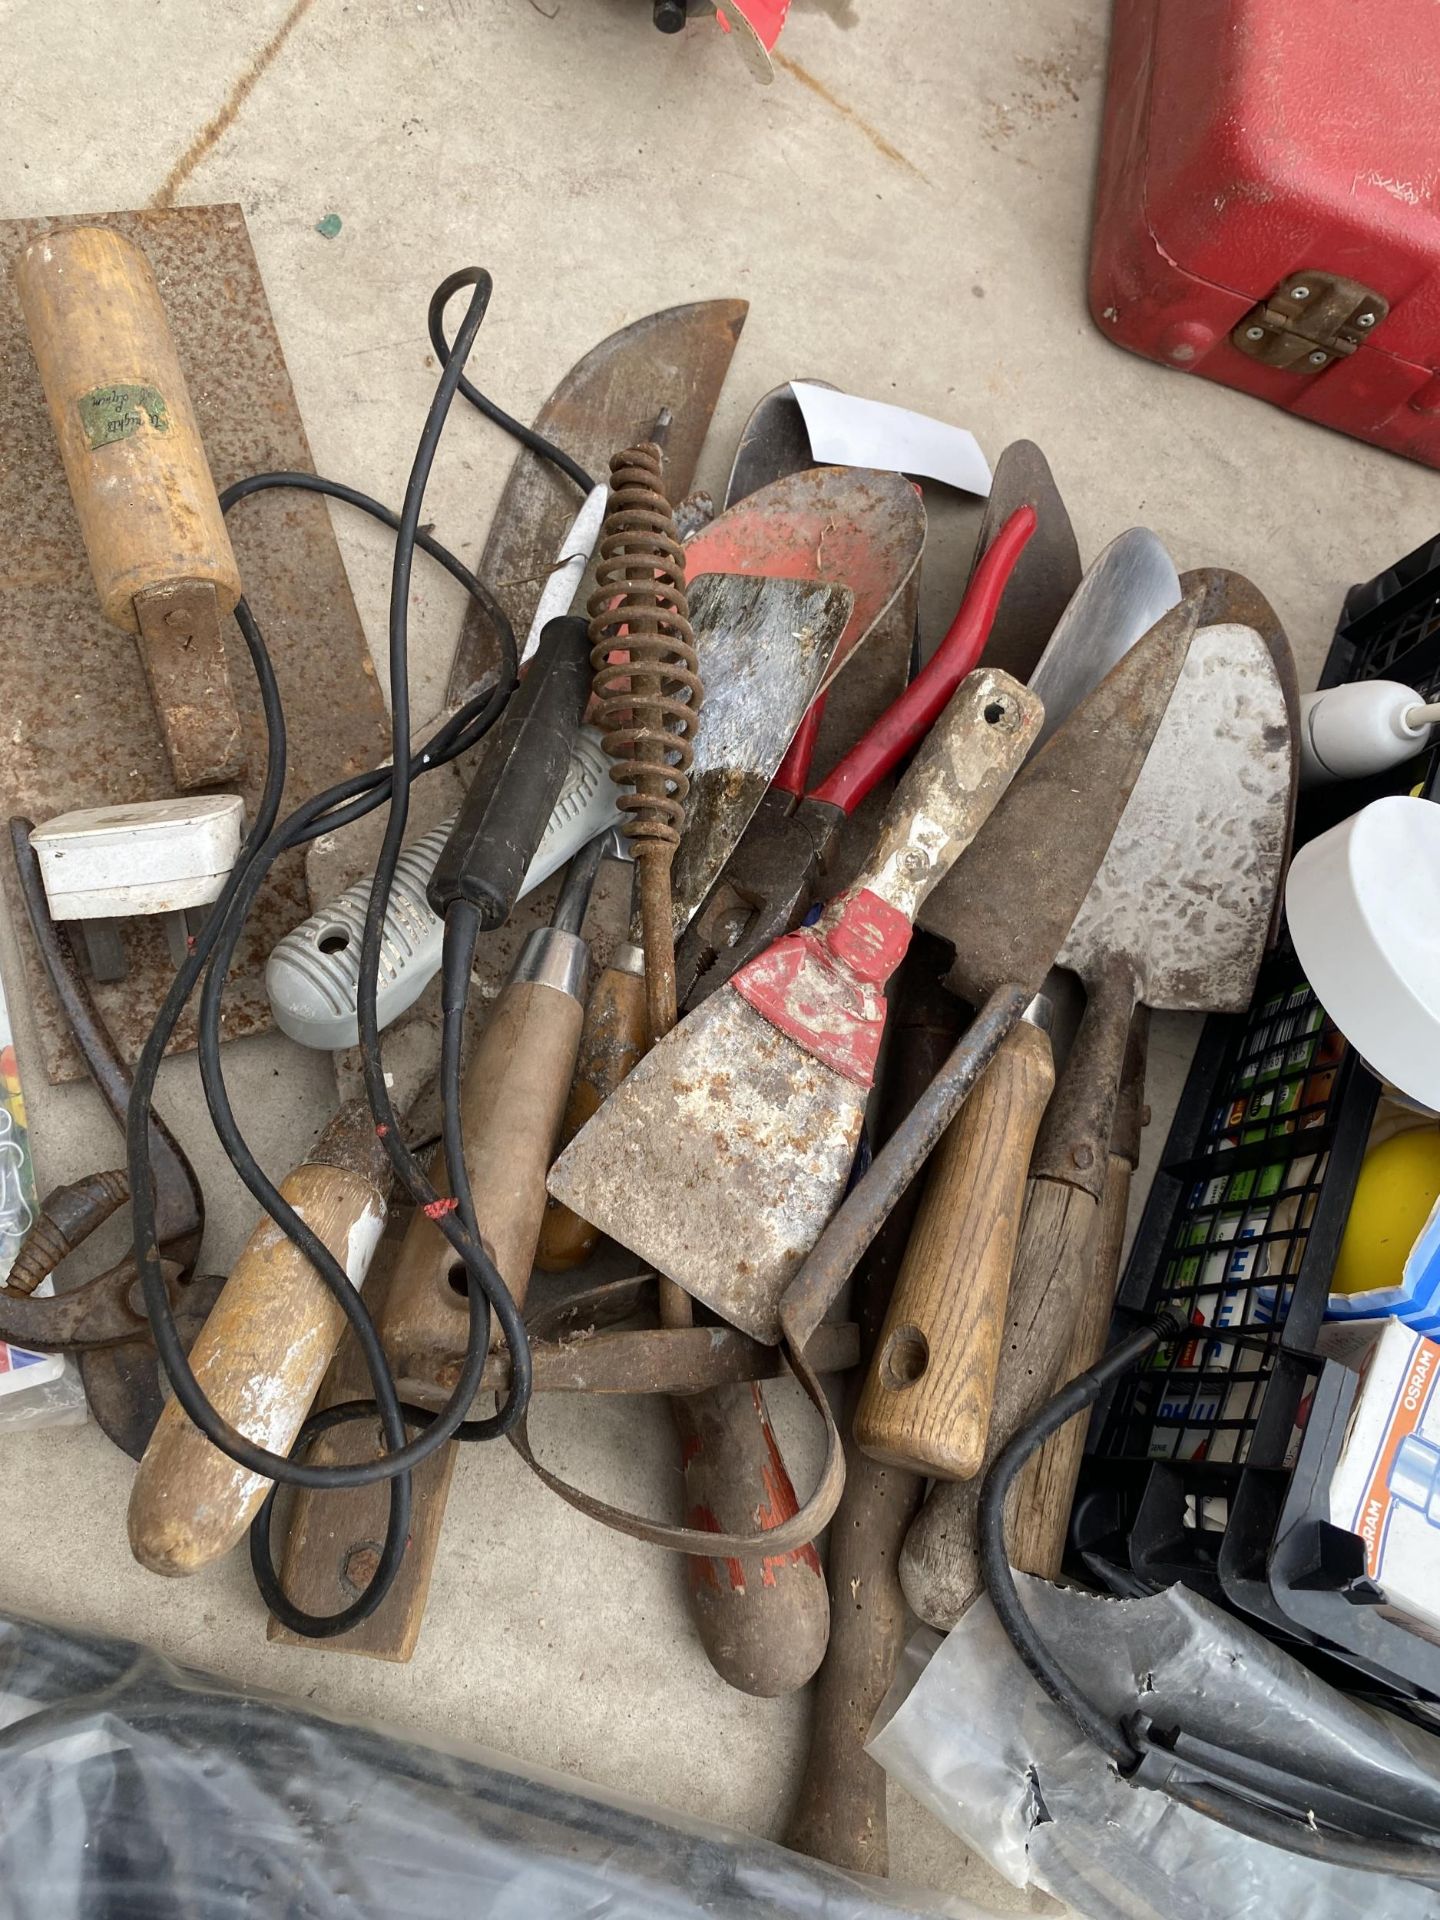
(739,947)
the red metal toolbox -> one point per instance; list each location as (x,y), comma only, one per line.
(1268,208)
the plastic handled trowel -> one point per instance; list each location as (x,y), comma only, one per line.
(1177,917)
(721,1157)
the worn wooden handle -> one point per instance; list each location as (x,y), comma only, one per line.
(950,789)
(260,1356)
(926,1400)
(764,1619)
(939,1566)
(154,534)
(511,1104)
(615,1035)
(1043,1497)
(122,415)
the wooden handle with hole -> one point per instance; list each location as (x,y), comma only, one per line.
(926,1400)
(143,494)
(615,1036)
(261,1355)
(512,1100)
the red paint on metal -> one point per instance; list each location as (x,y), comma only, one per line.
(822,985)
(1247,140)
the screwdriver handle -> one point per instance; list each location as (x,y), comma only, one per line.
(614,1037)
(512,1100)
(261,1355)
(926,1400)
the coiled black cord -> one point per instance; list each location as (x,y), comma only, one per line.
(211,957)
(1226,1801)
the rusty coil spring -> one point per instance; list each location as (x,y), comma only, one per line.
(648,697)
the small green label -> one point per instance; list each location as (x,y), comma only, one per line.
(115,413)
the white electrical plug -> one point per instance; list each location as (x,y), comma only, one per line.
(1362,728)
(168,857)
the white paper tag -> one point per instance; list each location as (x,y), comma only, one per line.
(846,431)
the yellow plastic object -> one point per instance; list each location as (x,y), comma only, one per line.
(1398,1185)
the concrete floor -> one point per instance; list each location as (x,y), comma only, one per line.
(907,210)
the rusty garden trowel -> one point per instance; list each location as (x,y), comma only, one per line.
(1178,918)
(674,361)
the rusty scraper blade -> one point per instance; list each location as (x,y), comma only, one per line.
(611,398)
(774,641)
(1008,904)
(862,529)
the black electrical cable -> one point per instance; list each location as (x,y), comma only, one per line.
(211,956)
(1293,1831)
(527,436)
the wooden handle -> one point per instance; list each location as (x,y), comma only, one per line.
(840,1812)
(154,534)
(615,1036)
(763,1620)
(1047,1485)
(511,1103)
(949,790)
(261,1355)
(939,1564)
(926,1399)
(1046,1490)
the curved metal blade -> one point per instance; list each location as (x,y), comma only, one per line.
(1120,598)
(1048,572)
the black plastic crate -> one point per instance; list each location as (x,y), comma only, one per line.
(1209,1465)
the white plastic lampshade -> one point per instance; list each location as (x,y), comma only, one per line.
(1363,905)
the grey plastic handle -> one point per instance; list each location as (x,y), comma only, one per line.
(313,974)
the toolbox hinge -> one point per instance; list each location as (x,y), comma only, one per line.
(1309,320)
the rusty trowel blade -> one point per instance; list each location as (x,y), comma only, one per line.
(1047,572)
(1186,890)
(862,528)
(719,1159)
(676,359)
(775,441)
(1009,901)
(764,646)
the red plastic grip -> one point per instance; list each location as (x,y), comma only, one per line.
(793,772)
(906,722)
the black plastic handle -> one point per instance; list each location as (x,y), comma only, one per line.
(514,789)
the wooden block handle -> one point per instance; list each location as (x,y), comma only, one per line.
(939,1564)
(926,1400)
(123,417)
(1047,1486)
(511,1104)
(615,1036)
(261,1355)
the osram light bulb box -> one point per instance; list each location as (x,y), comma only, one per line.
(1386,1485)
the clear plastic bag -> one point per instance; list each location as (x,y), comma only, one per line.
(132,1789)
(968,1731)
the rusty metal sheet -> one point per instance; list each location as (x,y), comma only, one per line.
(81,730)
(611,398)
(861,529)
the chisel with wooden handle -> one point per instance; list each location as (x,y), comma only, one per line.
(154,534)
(261,1355)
